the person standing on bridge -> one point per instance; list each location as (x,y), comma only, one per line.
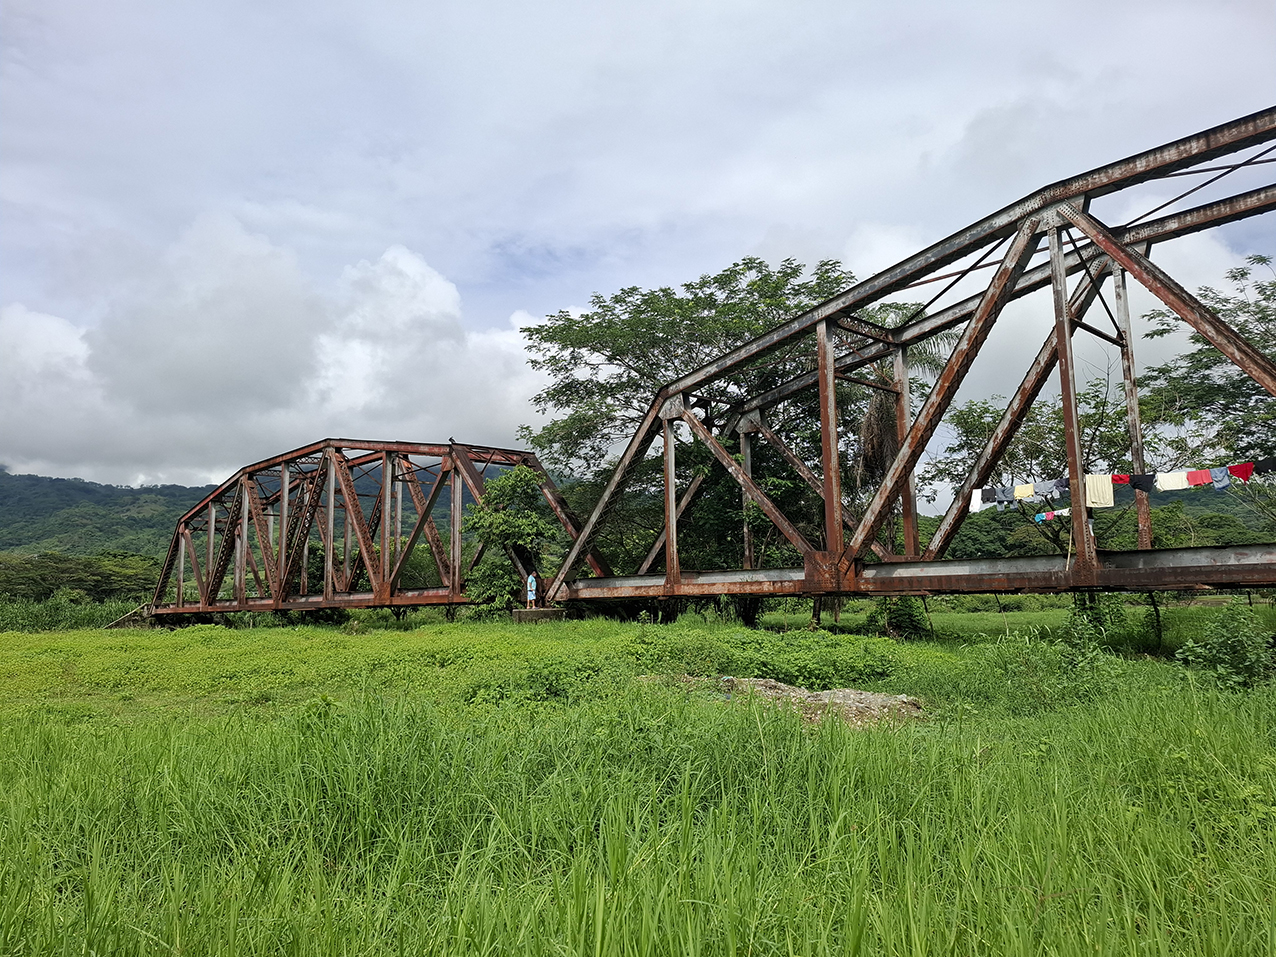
(531,590)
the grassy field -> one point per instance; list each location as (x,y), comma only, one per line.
(486,789)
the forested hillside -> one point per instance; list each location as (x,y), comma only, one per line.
(75,517)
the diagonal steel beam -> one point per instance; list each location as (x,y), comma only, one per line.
(199,575)
(263,537)
(1151,164)
(424,505)
(1190,309)
(972,338)
(763,501)
(226,549)
(1008,426)
(566,517)
(355,511)
(1186,223)
(809,477)
(634,452)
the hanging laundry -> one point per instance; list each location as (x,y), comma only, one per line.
(1039,517)
(1263,466)
(976,500)
(1098,491)
(1063,486)
(1120,480)
(1171,481)
(1023,491)
(1043,488)
(1143,483)
(1004,495)
(1061,512)
(1242,471)
(1199,477)
(1221,477)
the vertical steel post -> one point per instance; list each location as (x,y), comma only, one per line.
(903,422)
(1142,506)
(330,520)
(241,546)
(348,518)
(210,555)
(398,512)
(387,512)
(454,486)
(673,569)
(281,555)
(303,573)
(825,357)
(1082,540)
(181,565)
(746,461)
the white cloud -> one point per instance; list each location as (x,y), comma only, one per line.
(227,354)
(532,154)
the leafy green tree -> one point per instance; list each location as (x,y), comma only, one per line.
(1207,409)
(606,364)
(510,518)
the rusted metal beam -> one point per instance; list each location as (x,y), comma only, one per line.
(194,557)
(760,498)
(1008,426)
(1160,569)
(424,505)
(350,498)
(903,422)
(808,476)
(634,452)
(673,567)
(1082,534)
(1188,222)
(1190,309)
(597,563)
(456,559)
(225,552)
(941,396)
(830,458)
(1151,164)
(1129,377)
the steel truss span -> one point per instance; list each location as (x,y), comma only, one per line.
(841,552)
(249,544)
(340,524)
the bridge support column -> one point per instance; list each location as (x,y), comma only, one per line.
(1082,539)
(826,365)
(903,422)
(673,568)
(1142,506)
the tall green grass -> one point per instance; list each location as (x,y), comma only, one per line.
(654,822)
(491,789)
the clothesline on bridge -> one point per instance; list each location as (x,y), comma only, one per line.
(1099,488)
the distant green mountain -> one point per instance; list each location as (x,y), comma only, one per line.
(75,517)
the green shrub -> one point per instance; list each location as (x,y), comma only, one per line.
(901,617)
(1234,649)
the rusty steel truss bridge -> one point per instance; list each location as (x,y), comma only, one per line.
(338,523)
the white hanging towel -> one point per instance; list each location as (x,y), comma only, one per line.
(1098,491)
(1170,481)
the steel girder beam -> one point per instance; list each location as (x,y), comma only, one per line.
(1242,566)
(1209,216)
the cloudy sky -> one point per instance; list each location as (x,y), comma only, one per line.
(230,228)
